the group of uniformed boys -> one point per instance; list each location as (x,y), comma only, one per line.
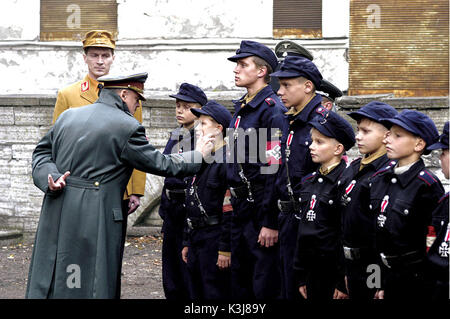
(302,222)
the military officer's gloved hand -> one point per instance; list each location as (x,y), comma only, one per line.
(133,203)
(60,182)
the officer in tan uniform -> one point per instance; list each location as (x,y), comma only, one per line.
(99,55)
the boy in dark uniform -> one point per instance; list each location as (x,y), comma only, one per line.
(357,223)
(207,234)
(174,272)
(257,125)
(318,251)
(298,78)
(402,197)
(438,255)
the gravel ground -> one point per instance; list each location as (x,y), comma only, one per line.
(141,272)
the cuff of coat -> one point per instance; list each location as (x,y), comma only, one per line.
(225,253)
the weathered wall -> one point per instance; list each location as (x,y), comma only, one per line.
(174,41)
(25,119)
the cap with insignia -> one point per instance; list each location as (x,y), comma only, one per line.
(190,93)
(329,90)
(335,126)
(134,82)
(99,38)
(416,123)
(287,47)
(249,48)
(295,66)
(443,140)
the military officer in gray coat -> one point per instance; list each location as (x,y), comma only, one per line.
(83,165)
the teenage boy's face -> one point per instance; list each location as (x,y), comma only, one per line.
(246,72)
(323,148)
(207,125)
(370,136)
(292,91)
(444,162)
(183,114)
(400,143)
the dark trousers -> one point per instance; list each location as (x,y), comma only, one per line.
(404,282)
(176,281)
(320,272)
(357,275)
(208,281)
(254,269)
(288,226)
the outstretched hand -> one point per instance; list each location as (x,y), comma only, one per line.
(205,144)
(60,182)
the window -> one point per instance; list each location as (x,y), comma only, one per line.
(297,18)
(70,19)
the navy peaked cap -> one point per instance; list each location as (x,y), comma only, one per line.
(295,66)
(190,93)
(249,48)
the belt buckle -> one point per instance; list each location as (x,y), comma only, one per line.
(189,223)
(168,194)
(384,259)
(233,193)
(348,253)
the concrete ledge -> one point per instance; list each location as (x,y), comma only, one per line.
(10,237)
(432,102)
(140,231)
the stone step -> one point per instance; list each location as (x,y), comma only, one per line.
(10,237)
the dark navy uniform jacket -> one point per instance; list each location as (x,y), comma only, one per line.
(319,227)
(357,221)
(407,200)
(180,140)
(300,162)
(265,110)
(211,189)
(439,252)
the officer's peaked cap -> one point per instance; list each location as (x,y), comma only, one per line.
(329,90)
(134,82)
(288,47)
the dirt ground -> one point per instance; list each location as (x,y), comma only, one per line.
(141,272)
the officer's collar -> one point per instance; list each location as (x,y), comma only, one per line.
(406,178)
(304,115)
(257,99)
(110,97)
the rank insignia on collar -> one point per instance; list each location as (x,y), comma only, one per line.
(270,101)
(85,86)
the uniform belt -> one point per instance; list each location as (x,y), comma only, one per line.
(176,194)
(199,222)
(355,253)
(242,191)
(396,261)
(82,182)
(288,206)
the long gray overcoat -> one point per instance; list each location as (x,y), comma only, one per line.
(77,251)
